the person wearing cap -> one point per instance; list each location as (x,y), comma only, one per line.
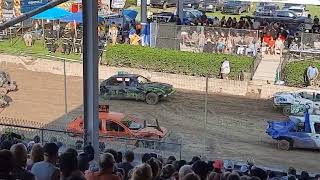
(106,172)
(244,169)
(46,169)
(218,166)
(228,165)
(127,165)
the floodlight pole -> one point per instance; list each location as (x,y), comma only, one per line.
(90,73)
(144,10)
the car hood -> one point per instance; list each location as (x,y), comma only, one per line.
(277,129)
(157,85)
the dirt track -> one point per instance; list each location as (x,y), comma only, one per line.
(236,125)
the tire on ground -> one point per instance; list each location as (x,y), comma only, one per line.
(152,98)
(286,110)
(284,145)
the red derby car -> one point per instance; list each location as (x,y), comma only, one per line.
(115,124)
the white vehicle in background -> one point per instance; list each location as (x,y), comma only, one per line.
(298,10)
(296,102)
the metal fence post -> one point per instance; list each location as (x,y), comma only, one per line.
(42,137)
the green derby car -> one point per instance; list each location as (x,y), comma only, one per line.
(133,86)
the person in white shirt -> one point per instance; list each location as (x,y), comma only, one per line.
(225,69)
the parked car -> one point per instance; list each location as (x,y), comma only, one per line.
(266,10)
(297,102)
(283,17)
(114,124)
(235,7)
(299,10)
(133,86)
(210,5)
(164,4)
(288,5)
(296,132)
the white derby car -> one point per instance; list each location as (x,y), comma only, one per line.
(296,102)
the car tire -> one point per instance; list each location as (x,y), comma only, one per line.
(286,110)
(165,6)
(284,145)
(152,98)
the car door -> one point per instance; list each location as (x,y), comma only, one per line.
(134,89)
(112,88)
(114,129)
(316,104)
(316,134)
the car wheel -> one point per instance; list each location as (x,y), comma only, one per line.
(152,98)
(165,5)
(284,145)
(286,110)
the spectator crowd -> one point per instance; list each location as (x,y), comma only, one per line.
(53,161)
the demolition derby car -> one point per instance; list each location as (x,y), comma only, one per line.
(133,86)
(296,132)
(296,102)
(113,124)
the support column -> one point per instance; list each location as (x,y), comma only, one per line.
(90,73)
(180,10)
(144,22)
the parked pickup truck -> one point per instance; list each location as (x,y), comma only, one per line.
(296,132)
(287,17)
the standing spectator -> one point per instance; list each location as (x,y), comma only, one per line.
(202,41)
(234,23)
(225,69)
(312,74)
(191,176)
(308,23)
(223,22)
(19,152)
(69,166)
(6,165)
(229,23)
(279,46)
(317,177)
(168,172)
(304,175)
(83,162)
(36,155)
(93,165)
(241,24)
(184,170)
(201,169)
(47,169)
(316,20)
(127,165)
(154,164)
(216,22)
(113,33)
(106,164)
(142,172)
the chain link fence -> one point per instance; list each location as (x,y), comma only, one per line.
(29,129)
(207,39)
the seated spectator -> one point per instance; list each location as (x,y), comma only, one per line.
(69,166)
(142,172)
(6,165)
(36,155)
(106,171)
(47,169)
(127,164)
(19,152)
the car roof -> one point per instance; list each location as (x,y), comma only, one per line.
(126,75)
(308,90)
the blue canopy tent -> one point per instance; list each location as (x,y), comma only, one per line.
(130,14)
(76,17)
(52,14)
